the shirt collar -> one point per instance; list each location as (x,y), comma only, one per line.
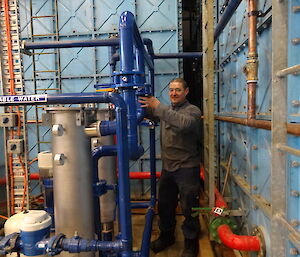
(180,104)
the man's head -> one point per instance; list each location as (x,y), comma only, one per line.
(178,90)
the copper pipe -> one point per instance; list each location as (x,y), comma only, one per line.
(252,7)
(251,100)
(293,129)
(252,64)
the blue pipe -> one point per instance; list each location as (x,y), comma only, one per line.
(107,127)
(148,43)
(141,205)
(135,151)
(152,165)
(147,233)
(97,153)
(229,11)
(71,43)
(128,26)
(178,55)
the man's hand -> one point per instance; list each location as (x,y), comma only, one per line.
(150,102)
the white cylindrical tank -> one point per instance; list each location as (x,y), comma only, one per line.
(27,221)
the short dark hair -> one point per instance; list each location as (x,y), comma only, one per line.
(180,80)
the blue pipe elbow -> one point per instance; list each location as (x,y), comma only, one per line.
(108,128)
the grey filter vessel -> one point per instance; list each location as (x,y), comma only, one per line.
(72,174)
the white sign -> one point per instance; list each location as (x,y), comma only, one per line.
(11,99)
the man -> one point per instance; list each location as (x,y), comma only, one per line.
(180,132)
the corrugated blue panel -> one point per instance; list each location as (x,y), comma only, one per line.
(107,14)
(293,182)
(151,11)
(293,59)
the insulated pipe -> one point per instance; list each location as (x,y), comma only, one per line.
(123,160)
(229,11)
(237,242)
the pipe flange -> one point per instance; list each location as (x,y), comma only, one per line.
(258,232)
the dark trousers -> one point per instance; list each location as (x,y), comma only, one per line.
(183,185)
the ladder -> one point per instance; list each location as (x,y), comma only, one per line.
(13,120)
(39,74)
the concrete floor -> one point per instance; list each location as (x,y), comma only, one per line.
(176,249)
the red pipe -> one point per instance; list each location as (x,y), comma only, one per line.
(32,176)
(219,201)
(142,175)
(132,175)
(237,242)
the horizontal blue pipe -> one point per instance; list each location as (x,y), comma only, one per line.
(107,127)
(104,150)
(229,11)
(139,205)
(178,55)
(71,43)
(72,98)
(78,245)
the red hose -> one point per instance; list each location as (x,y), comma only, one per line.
(237,242)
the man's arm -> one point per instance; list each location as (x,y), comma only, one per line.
(182,122)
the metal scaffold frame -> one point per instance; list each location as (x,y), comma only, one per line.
(208,94)
(280,149)
(15,136)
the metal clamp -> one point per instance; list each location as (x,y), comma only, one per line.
(8,243)
(53,246)
(257,13)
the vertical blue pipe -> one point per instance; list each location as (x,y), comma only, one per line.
(126,43)
(124,182)
(135,151)
(152,166)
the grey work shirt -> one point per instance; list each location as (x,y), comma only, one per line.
(179,135)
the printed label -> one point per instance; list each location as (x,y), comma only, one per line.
(23,98)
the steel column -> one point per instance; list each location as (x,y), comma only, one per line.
(279,127)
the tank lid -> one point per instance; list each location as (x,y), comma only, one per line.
(35,220)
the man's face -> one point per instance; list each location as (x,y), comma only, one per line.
(177,92)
